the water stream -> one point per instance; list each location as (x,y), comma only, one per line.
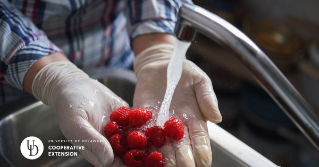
(174,72)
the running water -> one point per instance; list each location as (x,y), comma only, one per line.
(174,72)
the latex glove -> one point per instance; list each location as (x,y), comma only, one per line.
(194,102)
(82,106)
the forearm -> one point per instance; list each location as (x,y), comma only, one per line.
(37,66)
(144,41)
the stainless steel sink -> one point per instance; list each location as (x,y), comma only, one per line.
(29,117)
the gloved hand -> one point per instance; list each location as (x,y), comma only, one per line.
(82,106)
(194,102)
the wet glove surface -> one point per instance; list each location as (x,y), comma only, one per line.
(82,106)
(194,102)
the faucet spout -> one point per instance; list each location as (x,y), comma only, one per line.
(183,32)
(192,19)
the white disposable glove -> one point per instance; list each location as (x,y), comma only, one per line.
(194,102)
(82,106)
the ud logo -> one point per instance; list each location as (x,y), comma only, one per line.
(31,147)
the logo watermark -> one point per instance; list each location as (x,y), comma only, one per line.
(31,147)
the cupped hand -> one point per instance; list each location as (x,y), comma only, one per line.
(194,102)
(83,106)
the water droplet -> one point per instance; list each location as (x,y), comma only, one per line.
(91,104)
(95,91)
(70,106)
(185,116)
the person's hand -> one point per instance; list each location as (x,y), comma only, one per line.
(82,106)
(194,102)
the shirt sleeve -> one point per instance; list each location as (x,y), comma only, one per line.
(152,16)
(21,44)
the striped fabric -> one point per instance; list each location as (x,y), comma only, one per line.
(89,32)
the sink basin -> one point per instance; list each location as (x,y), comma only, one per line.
(29,117)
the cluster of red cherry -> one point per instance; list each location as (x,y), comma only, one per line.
(130,141)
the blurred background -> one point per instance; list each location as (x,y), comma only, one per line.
(288,32)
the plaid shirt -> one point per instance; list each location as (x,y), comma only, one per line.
(89,32)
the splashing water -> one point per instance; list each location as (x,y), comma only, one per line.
(174,72)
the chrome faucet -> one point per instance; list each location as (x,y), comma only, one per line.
(192,19)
